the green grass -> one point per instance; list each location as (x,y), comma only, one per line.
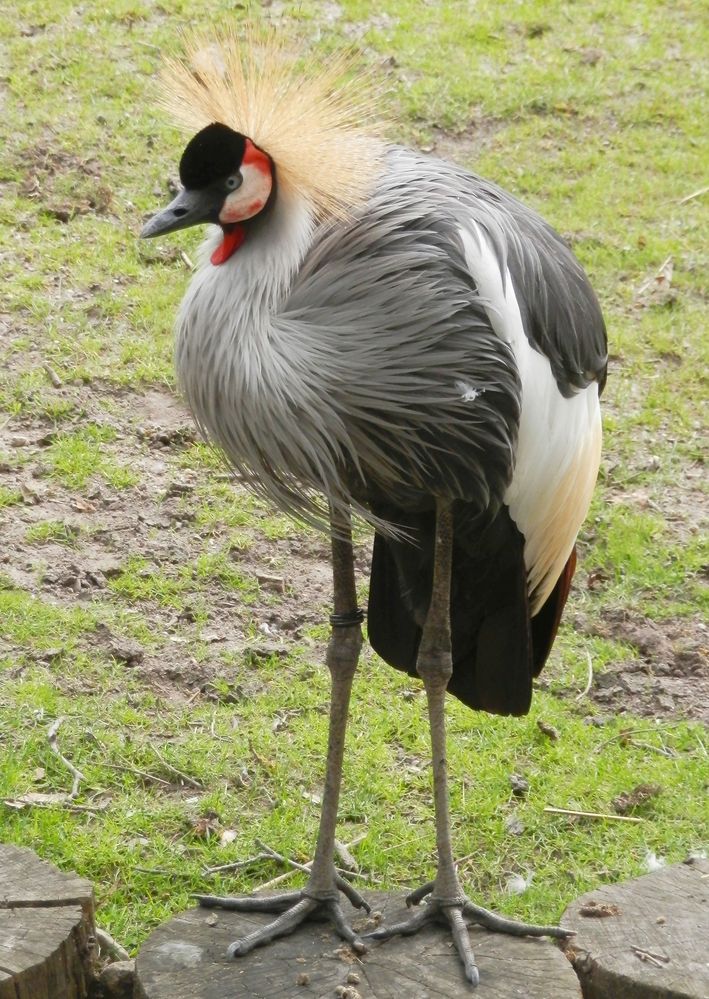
(77,456)
(595,115)
(48,531)
(137,581)
(250,781)
(9,497)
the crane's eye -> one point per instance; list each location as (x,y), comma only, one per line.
(234,181)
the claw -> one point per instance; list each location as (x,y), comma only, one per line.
(352,894)
(419,894)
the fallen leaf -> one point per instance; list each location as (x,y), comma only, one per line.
(205,826)
(657,291)
(628,800)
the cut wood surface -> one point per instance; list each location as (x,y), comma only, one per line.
(644,939)
(46,922)
(185,959)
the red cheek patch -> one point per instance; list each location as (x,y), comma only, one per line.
(233,238)
(260,179)
(256,158)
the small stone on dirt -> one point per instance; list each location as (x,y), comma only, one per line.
(117,980)
(519,785)
(514,825)
(264,650)
(125,650)
(548,730)
(275,583)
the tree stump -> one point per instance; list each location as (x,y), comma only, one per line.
(46,920)
(644,939)
(185,959)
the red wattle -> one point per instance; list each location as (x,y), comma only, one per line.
(233,238)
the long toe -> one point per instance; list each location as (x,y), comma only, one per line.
(500,924)
(461,939)
(250,903)
(405,928)
(281,927)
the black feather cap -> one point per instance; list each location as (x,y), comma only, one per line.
(210,155)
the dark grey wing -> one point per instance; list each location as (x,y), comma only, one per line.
(560,311)
(426,390)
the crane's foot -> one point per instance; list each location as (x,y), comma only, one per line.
(295,907)
(459,913)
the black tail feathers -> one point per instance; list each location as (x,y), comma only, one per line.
(497,650)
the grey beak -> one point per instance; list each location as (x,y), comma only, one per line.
(188,208)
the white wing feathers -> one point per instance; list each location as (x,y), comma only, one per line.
(559,444)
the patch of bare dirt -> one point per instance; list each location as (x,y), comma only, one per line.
(465,146)
(44,164)
(156,521)
(669,678)
(213,627)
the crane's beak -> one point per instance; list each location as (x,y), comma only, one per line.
(189,208)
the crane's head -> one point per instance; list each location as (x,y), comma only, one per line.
(227,180)
(244,94)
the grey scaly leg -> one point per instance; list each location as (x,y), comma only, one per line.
(446,899)
(324,884)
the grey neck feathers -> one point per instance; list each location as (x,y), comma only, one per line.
(247,378)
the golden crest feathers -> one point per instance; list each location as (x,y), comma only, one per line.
(314,122)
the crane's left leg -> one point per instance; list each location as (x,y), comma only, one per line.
(446,899)
(322,891)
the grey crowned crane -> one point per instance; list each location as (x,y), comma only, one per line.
(378,331)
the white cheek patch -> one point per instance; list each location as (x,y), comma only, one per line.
(249,199)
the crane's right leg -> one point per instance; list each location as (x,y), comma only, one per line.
(322,891)
(447,901)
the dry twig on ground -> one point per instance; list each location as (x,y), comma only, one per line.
(54,746)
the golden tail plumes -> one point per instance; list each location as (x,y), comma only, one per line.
(316,123)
